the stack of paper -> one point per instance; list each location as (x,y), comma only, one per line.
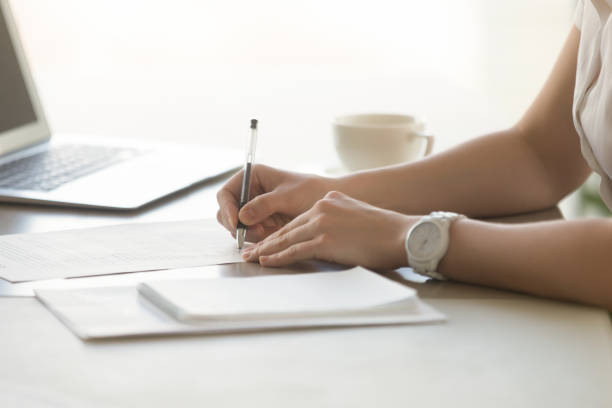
(353,292)
(355,297)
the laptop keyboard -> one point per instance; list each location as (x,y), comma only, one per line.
(59,165)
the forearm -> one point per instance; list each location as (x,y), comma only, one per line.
(526,168)
(568,260)
(492,175)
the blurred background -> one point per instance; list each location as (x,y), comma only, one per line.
(197,71)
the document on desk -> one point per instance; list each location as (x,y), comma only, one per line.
(115,249)
(355,297)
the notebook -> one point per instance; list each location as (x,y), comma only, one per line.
(353,292)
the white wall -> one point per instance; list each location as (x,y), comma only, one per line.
(198,70)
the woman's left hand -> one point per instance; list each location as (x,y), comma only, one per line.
(338,229)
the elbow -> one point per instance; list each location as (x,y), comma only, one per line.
(557,172)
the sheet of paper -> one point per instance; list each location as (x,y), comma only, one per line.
(114,312)
(353,290)
(115,249)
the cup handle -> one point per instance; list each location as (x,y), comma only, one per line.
(429,140)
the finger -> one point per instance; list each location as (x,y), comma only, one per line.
(229,197)
(298,252)
(255,233)
(275,221)
(223,221)
(261,234)
(268,247)
(261,231)
(262,207)
(296,222)
(233,186)
(228,206)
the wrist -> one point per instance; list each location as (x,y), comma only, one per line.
(353,185)
(321,185)
(399,243)
(375,187)
(450,258)
(328,184)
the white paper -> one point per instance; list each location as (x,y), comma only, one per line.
(273,296)
(112,312)
(115,249)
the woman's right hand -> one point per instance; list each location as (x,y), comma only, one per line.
(276,197)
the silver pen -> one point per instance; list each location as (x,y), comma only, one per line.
(241,229)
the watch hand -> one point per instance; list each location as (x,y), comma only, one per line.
(424,243)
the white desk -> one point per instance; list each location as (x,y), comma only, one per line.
(497,349)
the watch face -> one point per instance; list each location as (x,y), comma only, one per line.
(424,240)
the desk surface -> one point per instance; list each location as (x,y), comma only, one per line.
(498,348)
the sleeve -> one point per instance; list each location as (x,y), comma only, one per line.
(578,14)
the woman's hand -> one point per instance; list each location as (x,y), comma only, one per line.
(339,229)
(277,197)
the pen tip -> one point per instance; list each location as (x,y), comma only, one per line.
(253,123)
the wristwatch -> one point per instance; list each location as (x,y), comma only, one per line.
(427,242)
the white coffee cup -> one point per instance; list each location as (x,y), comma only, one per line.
(376,140)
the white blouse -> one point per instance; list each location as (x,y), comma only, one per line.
(592,109)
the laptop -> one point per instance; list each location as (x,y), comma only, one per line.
(96,174)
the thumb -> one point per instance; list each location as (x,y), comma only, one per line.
(261,207)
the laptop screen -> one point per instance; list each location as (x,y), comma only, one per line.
(15,105)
